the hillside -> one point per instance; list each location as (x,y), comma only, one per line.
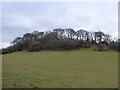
(60,69)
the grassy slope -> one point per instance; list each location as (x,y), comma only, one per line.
(84,69)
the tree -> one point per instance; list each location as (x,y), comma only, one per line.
(28,36)
(107,38)
(35,46)
(87,34)
(40,35)
(62,39)
(37,35)
(59,32)
(17,40)
(81,34)
(50,36)
(70,33)
(98,36)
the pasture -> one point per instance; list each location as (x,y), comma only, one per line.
(60,69)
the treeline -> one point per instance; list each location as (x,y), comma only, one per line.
(62,39)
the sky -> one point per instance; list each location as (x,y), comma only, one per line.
(19,18)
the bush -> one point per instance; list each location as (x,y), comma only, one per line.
(84,44)
(52,44)
(8,50)
(100,47)
(4,51)
(66,44)
(114,46)
(35,46)
(62,44)
(26,44)
(18,47)
(0,51)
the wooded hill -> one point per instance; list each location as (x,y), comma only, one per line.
(62,39)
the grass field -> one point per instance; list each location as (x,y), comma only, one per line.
(61,69)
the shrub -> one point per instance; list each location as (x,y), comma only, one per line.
(8,50)
(85,44)
(66,44)
(51,44)
(114,46)
(35,46)
(18,47)
(0,51)
(100,47)
(62,44)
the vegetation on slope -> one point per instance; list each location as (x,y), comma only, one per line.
(62,39)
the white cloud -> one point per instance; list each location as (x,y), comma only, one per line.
(4,45)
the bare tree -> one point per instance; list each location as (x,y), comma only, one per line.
(82,34)
(59,32)
(17,40)
(99,36)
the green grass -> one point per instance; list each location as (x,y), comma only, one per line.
(61,69)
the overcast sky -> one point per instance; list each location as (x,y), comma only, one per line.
(22,17)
